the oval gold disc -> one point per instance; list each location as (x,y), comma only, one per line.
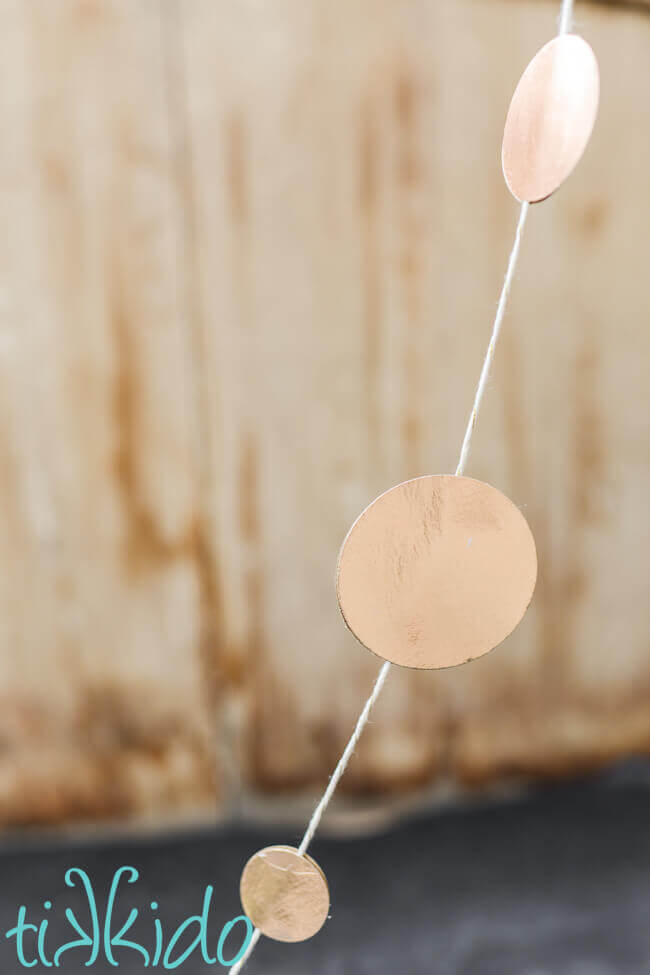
(551,117)
(284,893)
(436,571)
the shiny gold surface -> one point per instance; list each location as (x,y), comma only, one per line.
(551,117)
(436,571)
(285,893)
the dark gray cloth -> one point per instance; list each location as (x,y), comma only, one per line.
(558,884)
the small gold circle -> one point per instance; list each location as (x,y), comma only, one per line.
(436,572)
(284,893)
(551,117)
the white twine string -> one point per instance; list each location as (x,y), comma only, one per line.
(344,759)
(566,17)
(496,329)
(565,22)
(383,673)
(329,792)
(464,454)
(249,951)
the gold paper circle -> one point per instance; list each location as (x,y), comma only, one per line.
(285,893)
(551,117)
(436,572)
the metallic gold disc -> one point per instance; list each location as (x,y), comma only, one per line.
(551,117)
(436,571)
(285,894)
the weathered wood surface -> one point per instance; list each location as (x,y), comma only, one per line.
(249,262)
(100,532)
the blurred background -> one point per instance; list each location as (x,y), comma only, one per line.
(250,260)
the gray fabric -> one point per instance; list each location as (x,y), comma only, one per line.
(558,884)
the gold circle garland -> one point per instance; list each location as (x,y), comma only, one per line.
(440,569)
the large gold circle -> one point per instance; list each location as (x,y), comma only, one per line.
(284,893)
(436,572)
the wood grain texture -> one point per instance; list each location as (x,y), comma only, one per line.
(250,261)
(352,229)
(104,709)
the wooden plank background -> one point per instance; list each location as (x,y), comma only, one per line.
(250,257)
